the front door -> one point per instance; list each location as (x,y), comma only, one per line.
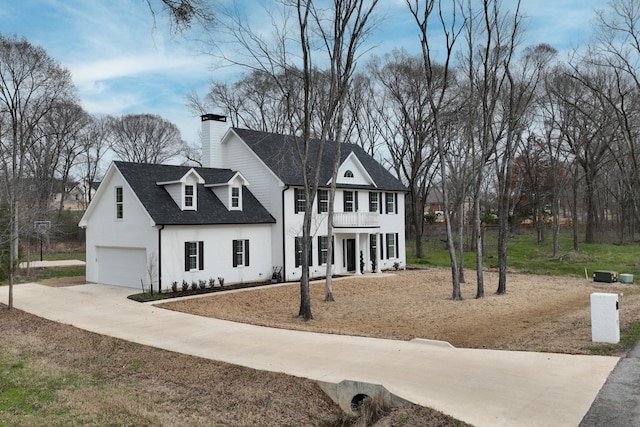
(351,254)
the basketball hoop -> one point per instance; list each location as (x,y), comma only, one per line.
(42,228)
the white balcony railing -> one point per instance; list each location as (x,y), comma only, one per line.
(356,219)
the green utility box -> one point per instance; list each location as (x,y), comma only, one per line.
(605,276)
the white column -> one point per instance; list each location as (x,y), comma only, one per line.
(378,260)
(358,272)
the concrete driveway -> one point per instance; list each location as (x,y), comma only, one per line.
(481,387)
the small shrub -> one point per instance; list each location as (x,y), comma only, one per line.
(202,284)
(361,262)
(212,281)
(373,409)
(185,286)
(396,265)
(221,281)
(194,285)
(174,286)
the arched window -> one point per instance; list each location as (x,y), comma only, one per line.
(348,174)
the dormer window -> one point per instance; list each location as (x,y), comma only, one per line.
(235,198)
(189,197)
(348,174)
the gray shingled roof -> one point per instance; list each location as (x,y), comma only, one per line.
(278,152)
(143,179)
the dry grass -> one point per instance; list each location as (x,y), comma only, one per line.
(98,380)
(538,313)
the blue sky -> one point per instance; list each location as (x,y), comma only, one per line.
(122,63)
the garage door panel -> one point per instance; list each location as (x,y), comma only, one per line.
(122,266)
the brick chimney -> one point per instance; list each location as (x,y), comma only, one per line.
(214,127)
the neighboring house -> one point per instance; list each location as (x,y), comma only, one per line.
(240,216)
(76,195)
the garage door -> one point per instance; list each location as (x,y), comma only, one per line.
(122,266)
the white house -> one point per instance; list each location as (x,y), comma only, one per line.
(240,216)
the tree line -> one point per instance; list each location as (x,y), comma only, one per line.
(491,123)
(500,129)
(48,141)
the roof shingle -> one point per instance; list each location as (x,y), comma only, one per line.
(143,179)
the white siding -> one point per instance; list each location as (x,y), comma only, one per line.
(218,261)
(135,230)
(175,191)
(360,176)
(262,183)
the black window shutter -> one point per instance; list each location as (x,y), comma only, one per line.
(319,251)
(295,201)
(246,253)
(395,199)
(344,201)
(333,249)
(381,246)
(355,196)
(386,204)
(310,252)
(201,255)
(380,201)
(233,253)
(186,256)
(318,198)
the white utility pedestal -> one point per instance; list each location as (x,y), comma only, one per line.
(605,321)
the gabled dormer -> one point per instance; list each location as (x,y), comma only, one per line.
(352,172)
(230,192)
(184,191)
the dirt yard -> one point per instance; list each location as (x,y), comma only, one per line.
(538,313)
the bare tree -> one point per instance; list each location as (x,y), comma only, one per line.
(94,138)
(521,90)
(438,89)
(31,84)
(408,118)
(63,128)
(308,38)
(144,138)
(254,101)
(183,13)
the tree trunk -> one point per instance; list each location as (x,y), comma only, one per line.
(477,230)
(574,214)
(305,299)
(589,235)
(461,241)
(503,234)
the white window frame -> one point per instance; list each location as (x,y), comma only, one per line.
(349,203)
(373,198)
(323,202)
(391,246)
(119,204)
(194,256)
(236,199)
(323,249)
(190,199)
(390,199)
(299,200)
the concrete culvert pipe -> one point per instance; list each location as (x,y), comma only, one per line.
(349,395)
(356,402)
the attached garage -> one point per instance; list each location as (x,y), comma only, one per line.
(121,266)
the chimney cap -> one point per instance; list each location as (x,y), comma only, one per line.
(216,117)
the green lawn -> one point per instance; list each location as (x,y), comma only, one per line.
(526,256)
(61,256)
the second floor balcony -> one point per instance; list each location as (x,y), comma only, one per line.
(356,219)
